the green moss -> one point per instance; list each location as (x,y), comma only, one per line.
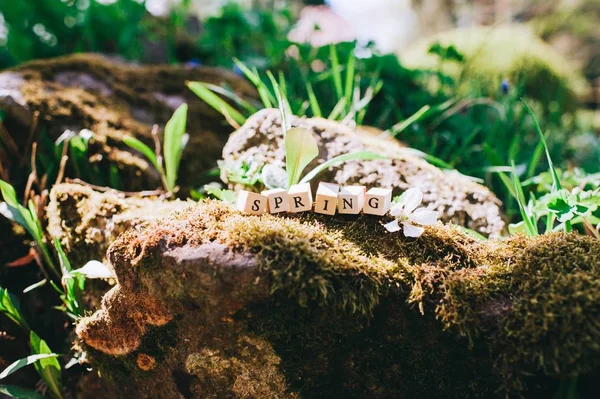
(353,310)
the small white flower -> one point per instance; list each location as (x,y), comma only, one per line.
(411,217)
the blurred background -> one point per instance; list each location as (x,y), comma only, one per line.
(470,61)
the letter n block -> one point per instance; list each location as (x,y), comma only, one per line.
(326,199)
(378,201)
(351,199)
(300,197)
(251,203)
(278,200)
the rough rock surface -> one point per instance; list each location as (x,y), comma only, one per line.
(211,303)
(86,221)
(114,99)
(459,199)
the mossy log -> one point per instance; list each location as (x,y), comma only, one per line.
(457,197)
(115,99)
(213,303)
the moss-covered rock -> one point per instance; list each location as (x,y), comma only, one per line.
(510,52)
(458,198)
(222,304)
(86,221)
(114,99)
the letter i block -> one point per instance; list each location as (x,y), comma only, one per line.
(351,199)
(251,203)
(326,199)
(300,197)
(278,200)
(378,201)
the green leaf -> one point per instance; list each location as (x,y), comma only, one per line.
(530,225)
(73,284)
(9,305)
(335,67)
(350,73)
(219,193)
(216,102)
(473,233)
(9,194)
(18,392)
(354,156)
(26,361)
(144,149)
(49,367)
(555,180)
(173,144)
(400,127)
(300,149)
(314,103)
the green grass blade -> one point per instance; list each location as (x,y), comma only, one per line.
(555,179)
(137,145)
(300,149)
(9,305)
(336,70)
(314,103)
(350,75)
(26,361)
(401,126)
(354,156)
(216,102)
(338,109)
(18,392)
(48,367)
(173,147)
(249,108)
(531,228)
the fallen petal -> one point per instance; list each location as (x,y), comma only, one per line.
(392,226)
(412,199)
(412,231)
(424,217)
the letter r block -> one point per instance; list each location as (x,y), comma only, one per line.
(326,199)
(378,201)
(277,199)
(251,203)
(351,199)
(300,197)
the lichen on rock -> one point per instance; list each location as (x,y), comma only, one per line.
(86,222)
(459,199)
(310,305)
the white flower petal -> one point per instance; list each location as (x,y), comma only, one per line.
(95,269)
(412,231)
(396,210)
(424,217)
(392,226)
(412,199)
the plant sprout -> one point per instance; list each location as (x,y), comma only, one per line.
(174,142)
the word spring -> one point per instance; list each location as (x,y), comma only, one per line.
(330,198)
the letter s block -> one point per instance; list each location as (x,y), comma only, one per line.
(326,199)
(300,197)
(251,203)
(278,200)
(351,199)
(378,201)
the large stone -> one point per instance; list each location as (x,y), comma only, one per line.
(115,99)
(211,303)
(86,222)
(459,199)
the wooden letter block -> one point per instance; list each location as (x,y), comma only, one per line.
(300,197)
(251,203)
(378,201)
(326,199)
(278,200)
(351,199)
